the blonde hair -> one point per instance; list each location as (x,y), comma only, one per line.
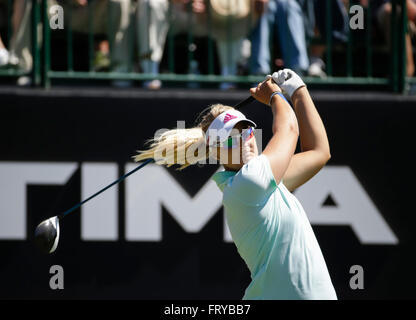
(171,145)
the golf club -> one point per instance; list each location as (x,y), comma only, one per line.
(47,232)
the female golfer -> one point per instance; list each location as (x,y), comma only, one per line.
(268,224)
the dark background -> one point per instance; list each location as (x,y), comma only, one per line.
(370,133)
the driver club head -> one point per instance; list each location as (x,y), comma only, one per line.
(47,235)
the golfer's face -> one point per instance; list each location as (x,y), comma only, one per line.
(233,153)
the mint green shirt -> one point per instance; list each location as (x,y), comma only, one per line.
(273,235)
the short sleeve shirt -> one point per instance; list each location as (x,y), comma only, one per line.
(273,235)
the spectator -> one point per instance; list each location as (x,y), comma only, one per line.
(4,54)
(290,18)
(153,25)
(117,11)
(383,13)
(20,55)
(339,30)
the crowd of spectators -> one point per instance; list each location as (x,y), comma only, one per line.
(243,31)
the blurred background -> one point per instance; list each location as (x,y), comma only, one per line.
(84,83)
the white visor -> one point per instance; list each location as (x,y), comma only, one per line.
(221,127)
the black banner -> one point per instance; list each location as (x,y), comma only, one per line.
(52,144)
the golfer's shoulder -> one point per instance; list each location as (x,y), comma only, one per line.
(257,169)
(255,179)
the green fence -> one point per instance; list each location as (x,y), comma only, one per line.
(357,50)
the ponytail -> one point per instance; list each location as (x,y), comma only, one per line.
(184,147)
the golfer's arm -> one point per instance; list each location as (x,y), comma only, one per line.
(314,143)
(282,145)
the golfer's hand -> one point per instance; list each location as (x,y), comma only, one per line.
(288,81)
(264,90)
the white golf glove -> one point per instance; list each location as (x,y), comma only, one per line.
(287,80)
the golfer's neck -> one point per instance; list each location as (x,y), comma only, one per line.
(233,167)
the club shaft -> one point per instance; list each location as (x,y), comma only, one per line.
(105,188)
(243,103)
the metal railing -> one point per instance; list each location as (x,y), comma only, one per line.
(395,80)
